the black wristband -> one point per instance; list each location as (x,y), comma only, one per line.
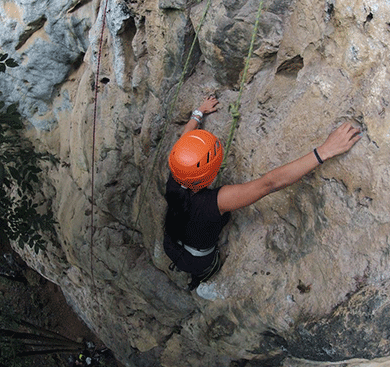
(320,161)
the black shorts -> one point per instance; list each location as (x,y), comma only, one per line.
(184,260)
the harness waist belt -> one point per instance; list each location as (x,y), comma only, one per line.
(195,252)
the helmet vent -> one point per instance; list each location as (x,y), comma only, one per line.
(208,157)
(198,165)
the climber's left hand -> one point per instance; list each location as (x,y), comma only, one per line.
(208,105)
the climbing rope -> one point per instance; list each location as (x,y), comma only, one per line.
(234,107)
(94,142)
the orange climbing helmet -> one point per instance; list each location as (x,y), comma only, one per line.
(195,159)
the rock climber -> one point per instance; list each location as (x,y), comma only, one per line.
(196,214)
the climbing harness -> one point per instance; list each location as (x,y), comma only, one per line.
(234,107)
(197,252)
(207,274)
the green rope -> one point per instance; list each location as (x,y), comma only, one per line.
(234,107)
(165,127)
(176,95)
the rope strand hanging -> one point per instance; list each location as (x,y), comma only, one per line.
(94,141)
(234,107)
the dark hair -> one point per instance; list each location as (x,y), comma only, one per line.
(176,219)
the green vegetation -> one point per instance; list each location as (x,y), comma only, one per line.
(20,218)
(5,62)
(20,341)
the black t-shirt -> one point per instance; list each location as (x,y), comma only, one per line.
(202,230)
(205,221)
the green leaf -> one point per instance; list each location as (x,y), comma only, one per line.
(37,237)
(34,178)
(2,67)
(3,57)
(14,173)
(11,63)
(24,172)
(34,169)
(12,236)
(12,109)
(12,120)
(2,172)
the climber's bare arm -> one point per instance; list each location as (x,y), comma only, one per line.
(208,106)
(232,197)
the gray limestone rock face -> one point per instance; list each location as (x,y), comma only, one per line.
(48,43)
(305,276)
